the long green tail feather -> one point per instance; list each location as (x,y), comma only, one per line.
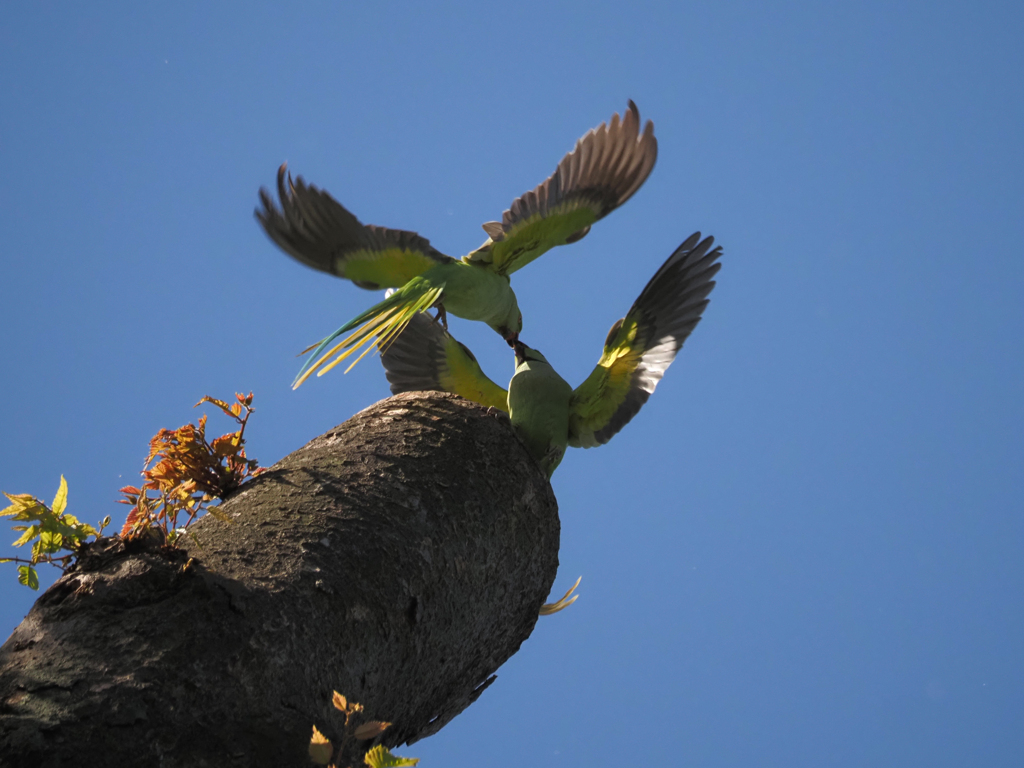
(377,328)
(315,358)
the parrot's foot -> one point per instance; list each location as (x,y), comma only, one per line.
(548,608)
(497,413)
(441,317)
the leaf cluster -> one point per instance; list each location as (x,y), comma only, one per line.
(321,751)
(184,473)
(50,530)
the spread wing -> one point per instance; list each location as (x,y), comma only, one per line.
(425,357)
(603,171)
(642,345)
(314,228)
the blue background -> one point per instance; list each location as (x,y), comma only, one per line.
(806,548)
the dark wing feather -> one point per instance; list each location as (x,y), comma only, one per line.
(602,172)
(314,228)
(424,357)
(641,346)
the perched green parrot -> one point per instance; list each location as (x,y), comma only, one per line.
(545,411)
(602,172)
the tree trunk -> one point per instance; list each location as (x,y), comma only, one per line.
(399,559)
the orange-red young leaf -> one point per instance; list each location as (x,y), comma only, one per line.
(320,748)
(184,471)
(219,403)
(129,524)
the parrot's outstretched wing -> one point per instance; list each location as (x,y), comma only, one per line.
(314,228)
(603,171)
(642,345)
(425,357)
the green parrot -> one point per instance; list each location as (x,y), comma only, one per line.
(545,411)
(602,172)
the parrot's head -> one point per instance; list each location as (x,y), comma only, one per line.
(526,355)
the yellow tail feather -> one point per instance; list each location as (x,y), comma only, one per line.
(362,335)
(375,321)
(376,333)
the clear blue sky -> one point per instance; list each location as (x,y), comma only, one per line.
(805,550)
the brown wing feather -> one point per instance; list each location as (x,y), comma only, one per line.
(641,346)
(315,229)
(602,172)
(425,357)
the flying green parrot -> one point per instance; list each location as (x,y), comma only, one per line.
(602,172)
(545,411)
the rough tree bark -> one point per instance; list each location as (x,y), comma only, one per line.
(400,559)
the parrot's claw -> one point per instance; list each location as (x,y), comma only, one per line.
(548,608)
(441,316)
(497,413)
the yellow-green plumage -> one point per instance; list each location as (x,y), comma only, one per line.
(468,291)
(603,171)
(546,412)
(425,357)
(390,268)
(538,406)
(539,234)
(379,327)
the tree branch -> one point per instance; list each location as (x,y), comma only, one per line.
(400,559)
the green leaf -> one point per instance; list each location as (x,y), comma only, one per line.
(21,502)
(30,533)
(27,575)
(381,757)
(50,542)
(25,511)
(60,501)
(220,515)
(195,540)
